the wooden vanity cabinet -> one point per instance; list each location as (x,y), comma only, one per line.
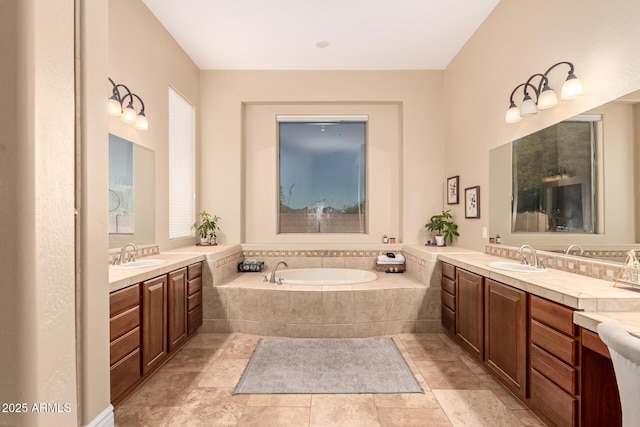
(505,335)
(149,322)
(154,323)
(554,366)
(177,308)
(469,312)
(600,398)
(194,297)
(124,347)
(448,298)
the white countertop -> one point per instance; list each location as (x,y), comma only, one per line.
(120,278)
(573,290)
(596,300)
(590,320)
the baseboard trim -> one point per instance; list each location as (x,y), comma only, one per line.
(104,419)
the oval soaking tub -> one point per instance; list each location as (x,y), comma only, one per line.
(325,276)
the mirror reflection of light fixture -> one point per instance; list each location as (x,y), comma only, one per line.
(127,114)
(545,96)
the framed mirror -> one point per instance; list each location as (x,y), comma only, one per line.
(131,193)
(611,223)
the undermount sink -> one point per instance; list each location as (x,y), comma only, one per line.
(141,263)
(515,267)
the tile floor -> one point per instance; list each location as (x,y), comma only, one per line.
(194,389)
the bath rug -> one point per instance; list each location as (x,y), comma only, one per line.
(327,366)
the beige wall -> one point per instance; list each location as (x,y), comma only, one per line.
(145,58)
(600,38)
(239,183)
(92,231)
(38,342)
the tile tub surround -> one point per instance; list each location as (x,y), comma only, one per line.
(392,304)
(233,290)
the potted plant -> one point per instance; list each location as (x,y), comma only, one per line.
(207,228)
(444,227)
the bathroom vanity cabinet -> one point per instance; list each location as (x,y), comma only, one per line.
(448,295)
(505,334)
(470,312)
(149,322)
(532,346)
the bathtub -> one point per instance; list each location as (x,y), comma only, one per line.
(325,276)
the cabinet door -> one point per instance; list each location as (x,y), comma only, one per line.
(505,344)
(469,312)
(154,323)
(177,308)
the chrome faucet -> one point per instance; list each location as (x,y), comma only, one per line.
(534,257)
(568,251)
(119,258)
(272,279)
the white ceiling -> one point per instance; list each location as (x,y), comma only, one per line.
(282,34)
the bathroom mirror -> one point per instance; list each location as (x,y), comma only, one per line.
(617,187)
(131,193)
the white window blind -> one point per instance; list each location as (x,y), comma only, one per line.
(181,166)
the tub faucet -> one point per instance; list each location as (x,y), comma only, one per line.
(272,279)
(119,259)
(568,251)
(534,257)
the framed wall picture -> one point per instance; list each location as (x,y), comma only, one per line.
(472,202)
(452,190)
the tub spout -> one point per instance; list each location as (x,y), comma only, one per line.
(272,279)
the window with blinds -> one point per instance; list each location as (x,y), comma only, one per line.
(181,166)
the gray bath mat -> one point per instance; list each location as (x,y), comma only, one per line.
(327,366)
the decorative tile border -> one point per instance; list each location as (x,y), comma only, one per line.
(143,251)
(598,269)
(313,253)
(233,258)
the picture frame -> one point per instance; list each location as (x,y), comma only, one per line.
(472,202)
(453,184)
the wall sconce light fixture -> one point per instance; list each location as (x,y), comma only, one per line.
(545,96)
(127,114)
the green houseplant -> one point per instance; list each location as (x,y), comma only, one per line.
(444,227)
(207,227)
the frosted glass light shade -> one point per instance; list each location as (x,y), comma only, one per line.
(572,88)
(528,107)
(115,109)
(513,114)
(141,122)
(547,99)
(129,115)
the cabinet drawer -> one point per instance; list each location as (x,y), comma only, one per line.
(448,320)
(448,285)
(554,342)
(124,322)
(124,299)
(448,299)
(125,373)
(194,270)
(194,286)
(194,319)
(592,341)
(560,373)
(559,407)
(448,270)
(552,314)
(194,300)
(124,345)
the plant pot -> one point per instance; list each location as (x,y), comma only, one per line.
(440,240)
(204,240)
(213,241)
